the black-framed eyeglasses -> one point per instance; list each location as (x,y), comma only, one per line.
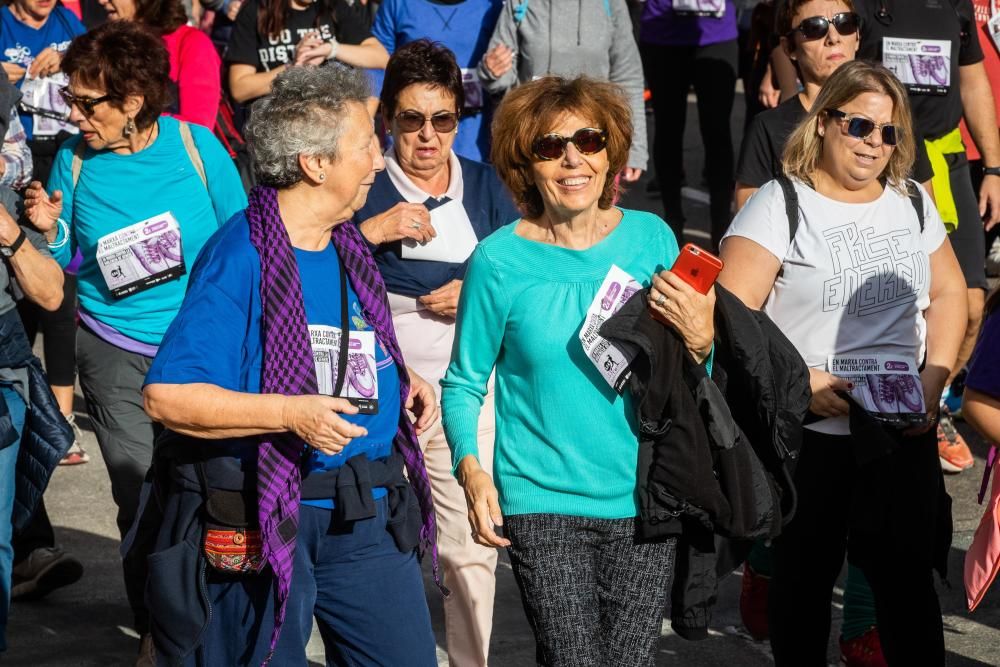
(817,27)
(860,127)
(588,140)
(413,121)
(84,104)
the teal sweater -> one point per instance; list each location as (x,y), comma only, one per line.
(566,443)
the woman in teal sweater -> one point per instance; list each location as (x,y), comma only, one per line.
(566,442)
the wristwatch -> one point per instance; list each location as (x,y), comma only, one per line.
(9,250)
(991,171)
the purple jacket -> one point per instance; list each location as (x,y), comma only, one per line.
(662,25)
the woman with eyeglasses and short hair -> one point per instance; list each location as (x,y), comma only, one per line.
(424,215)
(861,274)
(566,450)
(138,195)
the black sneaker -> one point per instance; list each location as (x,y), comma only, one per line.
(44,570)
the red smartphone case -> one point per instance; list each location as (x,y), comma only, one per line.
(697,267)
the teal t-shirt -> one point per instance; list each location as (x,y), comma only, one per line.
(139,222)
(566,442)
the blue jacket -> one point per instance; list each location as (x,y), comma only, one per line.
(487,203)
(47,436)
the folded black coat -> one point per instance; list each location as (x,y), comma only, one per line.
(714,452)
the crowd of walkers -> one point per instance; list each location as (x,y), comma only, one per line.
(347,287)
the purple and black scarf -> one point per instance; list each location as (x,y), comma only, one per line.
(289,369)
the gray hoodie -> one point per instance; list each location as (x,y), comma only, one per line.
(569,38)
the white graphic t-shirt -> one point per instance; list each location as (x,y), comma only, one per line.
(856,278)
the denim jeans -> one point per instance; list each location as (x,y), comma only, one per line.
(8,463)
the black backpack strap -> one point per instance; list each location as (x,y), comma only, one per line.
(917,199)
(791,205)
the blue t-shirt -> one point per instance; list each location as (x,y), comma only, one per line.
(135,284)
(465,28)
(984,366)
(21,44)
(224,298)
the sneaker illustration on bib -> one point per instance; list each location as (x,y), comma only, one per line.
(150,257)
(883,394)
(929,69)
(908,391)
(169,244)
(361,374)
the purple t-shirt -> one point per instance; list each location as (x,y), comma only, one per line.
(665,25)
(984,367)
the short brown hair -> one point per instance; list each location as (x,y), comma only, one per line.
(421,61)
(804,146)
(161,16)
(532,109)
(123,58)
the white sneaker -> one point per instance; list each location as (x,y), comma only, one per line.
(75,455)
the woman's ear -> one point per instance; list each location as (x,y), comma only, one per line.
(314,167)
(820,125)
(788,46)
(132,105)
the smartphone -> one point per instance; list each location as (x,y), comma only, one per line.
(697,267)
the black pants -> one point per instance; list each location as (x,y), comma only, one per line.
(885,516)
(670,73)
(60,333)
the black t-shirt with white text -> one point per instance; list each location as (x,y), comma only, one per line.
(265,52)
(912,28)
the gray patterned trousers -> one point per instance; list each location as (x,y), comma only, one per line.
(594,596)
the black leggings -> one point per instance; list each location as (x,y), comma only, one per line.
(670,72)
(887,517)
(60,333)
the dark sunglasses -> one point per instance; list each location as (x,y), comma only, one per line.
(817,27)
(84,104)
(412,121)
(588,140)
(860,127)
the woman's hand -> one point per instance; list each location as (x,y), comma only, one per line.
(444,300)
(499,60)
(315,419)
(402,221)
(932,380)
(824,401)
(14,72)
(42,210)
(685,309)
(46,63)
(233,9)
(483,502)
(307,51)
(631,174)
(422,402)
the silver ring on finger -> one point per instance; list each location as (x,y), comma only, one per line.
(416,225)
(660,300)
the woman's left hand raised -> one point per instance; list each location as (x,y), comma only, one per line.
(444,300)
(422,402)
(685,309)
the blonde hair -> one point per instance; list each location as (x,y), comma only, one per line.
(805,146)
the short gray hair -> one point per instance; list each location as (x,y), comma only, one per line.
(303,114)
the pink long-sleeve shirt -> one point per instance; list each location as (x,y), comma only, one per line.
(196,69)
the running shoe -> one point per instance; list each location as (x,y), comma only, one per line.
(863,651)
(361,375)
(42,571)
(883,393)
(76,454)
(753,603)
(909,392)
(953,452)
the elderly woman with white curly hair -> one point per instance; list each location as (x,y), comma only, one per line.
(283,378)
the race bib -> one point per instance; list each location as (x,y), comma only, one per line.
(714,8)
(888,387)
(141,256)
(361,381)
(922,65)
(49,112)
(993,27)
(473,90)
(611,359)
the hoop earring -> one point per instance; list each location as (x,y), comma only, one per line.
(130,128)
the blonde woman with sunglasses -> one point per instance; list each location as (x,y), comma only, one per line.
(863,270)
